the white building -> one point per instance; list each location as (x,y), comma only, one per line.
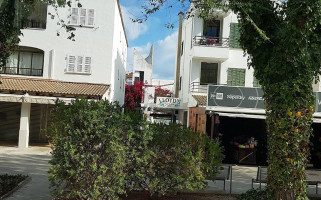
(143,67)
(211,56)
(47,66)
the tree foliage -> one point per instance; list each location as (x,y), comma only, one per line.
(284,44)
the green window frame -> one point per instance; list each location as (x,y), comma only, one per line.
(236,77)
(234,36)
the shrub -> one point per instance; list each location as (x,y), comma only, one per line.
(99,152)
(89,149)
(254,194)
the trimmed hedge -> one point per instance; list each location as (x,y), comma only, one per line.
(100,152)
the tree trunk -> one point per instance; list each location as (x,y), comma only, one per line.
(289,118)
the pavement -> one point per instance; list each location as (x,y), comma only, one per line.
(34,162)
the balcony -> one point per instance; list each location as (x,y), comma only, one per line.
(21,71)
(215,48)
(197,87)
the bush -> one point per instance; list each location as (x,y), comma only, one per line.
(254,194)
(99,152)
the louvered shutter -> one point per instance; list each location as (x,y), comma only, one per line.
(74,16)
(71,63)
(234,35)
(80,64)
(91,17)
(82,19)
(87,65)
(236,77)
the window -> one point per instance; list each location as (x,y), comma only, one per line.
(212,28)
(141,76)
(82,17)
(38,18)
(78,64)
(234,35)
(26,61)
(255,82)
(180,83)
(182,48)
(236,77)
(209,73)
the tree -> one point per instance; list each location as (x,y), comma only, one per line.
(284,44)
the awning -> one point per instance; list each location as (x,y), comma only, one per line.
(51,88)
(32,99)
(240,115)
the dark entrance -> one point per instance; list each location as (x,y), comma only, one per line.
(236,140)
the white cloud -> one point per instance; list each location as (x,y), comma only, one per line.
(164,56)
(133,29)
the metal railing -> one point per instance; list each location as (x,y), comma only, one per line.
(210,41)
(200,87)
(21,71)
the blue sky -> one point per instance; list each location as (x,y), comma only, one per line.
(152,32)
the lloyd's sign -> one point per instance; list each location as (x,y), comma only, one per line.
(240,97)
(168,102)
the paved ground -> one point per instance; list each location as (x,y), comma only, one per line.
(32,162)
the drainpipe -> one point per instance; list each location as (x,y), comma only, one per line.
(178,57)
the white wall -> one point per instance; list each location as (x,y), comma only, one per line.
(141,64)
(105,43)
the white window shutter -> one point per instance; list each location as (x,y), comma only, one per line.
(87,68)
(91,17)
(71,63)
(74,16)
(80,64)
(83,14)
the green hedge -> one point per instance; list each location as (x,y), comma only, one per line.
(99,152)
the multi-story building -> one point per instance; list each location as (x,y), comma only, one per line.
(47,66)
(218,89)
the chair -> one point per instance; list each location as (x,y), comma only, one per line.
(224,174)
(260,176)
(313,177)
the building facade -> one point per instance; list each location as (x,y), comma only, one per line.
(93,65)
(213,75)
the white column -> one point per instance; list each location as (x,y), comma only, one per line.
(24,125)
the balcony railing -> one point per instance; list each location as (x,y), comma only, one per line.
(199,87)
(210,41)
(21,71)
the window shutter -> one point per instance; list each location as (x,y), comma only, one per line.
(91,17)
(236,77)
(74,16)
(87,65)
(234,35)
(82,19)
(80,64)
(71,62)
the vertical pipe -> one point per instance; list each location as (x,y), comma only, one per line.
(178,56)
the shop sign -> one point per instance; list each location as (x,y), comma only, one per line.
(168,102)
(241,97)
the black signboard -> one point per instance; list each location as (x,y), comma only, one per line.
(241,97)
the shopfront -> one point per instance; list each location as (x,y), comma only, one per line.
(236,115)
